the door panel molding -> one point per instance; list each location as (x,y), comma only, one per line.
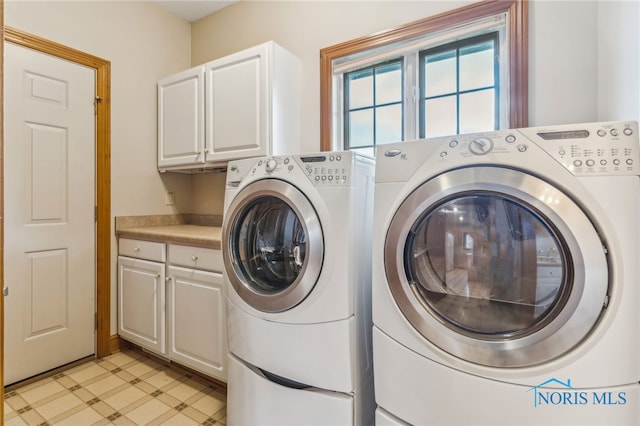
(103,175)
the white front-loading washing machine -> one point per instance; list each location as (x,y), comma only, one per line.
(506,278)
(297,252)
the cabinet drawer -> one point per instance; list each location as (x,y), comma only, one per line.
(196,257)
(142,249)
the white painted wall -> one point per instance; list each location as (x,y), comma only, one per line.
(618,60)
(144,43)
(562,62)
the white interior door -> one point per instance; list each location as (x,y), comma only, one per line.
(49,212)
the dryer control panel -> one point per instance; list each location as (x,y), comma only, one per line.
(599,149)
(593,149)
(590,149)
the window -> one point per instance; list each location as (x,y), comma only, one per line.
(459,90)
(373,107)
(459,72)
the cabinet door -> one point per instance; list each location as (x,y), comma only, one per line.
(181,119)
(141,303)
(197,320)
(237,105)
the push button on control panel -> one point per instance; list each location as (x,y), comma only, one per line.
(596,149)
(599,149)
(326,169)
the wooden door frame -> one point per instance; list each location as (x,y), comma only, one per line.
(2,212)
(102,189)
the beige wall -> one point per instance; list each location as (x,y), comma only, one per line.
(207,193)
(618,60)
(303,28)
(144,43)
(564,37)
(565,67)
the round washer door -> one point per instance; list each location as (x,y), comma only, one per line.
(273,245)
(496,267)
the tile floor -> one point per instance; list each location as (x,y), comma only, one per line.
(126,388)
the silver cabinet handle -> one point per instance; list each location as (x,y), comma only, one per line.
(5,291)
(136,249)
(194,258)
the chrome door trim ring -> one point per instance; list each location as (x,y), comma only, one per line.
(590,268)
(304,284)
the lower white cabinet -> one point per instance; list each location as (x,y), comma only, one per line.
(141,301)
(196,315)
(174,307)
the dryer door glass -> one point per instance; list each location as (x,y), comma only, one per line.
(271,245)
(488,265)
(496,266)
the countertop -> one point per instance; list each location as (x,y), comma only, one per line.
(171,231)
(198,235)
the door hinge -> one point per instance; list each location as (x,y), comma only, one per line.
(95,318)
(95,214)
(95,104)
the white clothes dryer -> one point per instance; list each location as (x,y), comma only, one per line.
(297,252)
(506,278)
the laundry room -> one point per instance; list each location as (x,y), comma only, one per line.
(221,127)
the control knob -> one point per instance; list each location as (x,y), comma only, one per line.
(481,146)
(270,165)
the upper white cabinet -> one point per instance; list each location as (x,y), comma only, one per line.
(243,105)
(181,119)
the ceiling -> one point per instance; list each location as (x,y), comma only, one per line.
(193,10)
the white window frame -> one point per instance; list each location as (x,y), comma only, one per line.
(409,51)
(368,50)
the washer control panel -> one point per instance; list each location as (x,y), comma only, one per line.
(322,169)
(588,149)
(327,169)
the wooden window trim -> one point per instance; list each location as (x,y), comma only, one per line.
(518,53)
